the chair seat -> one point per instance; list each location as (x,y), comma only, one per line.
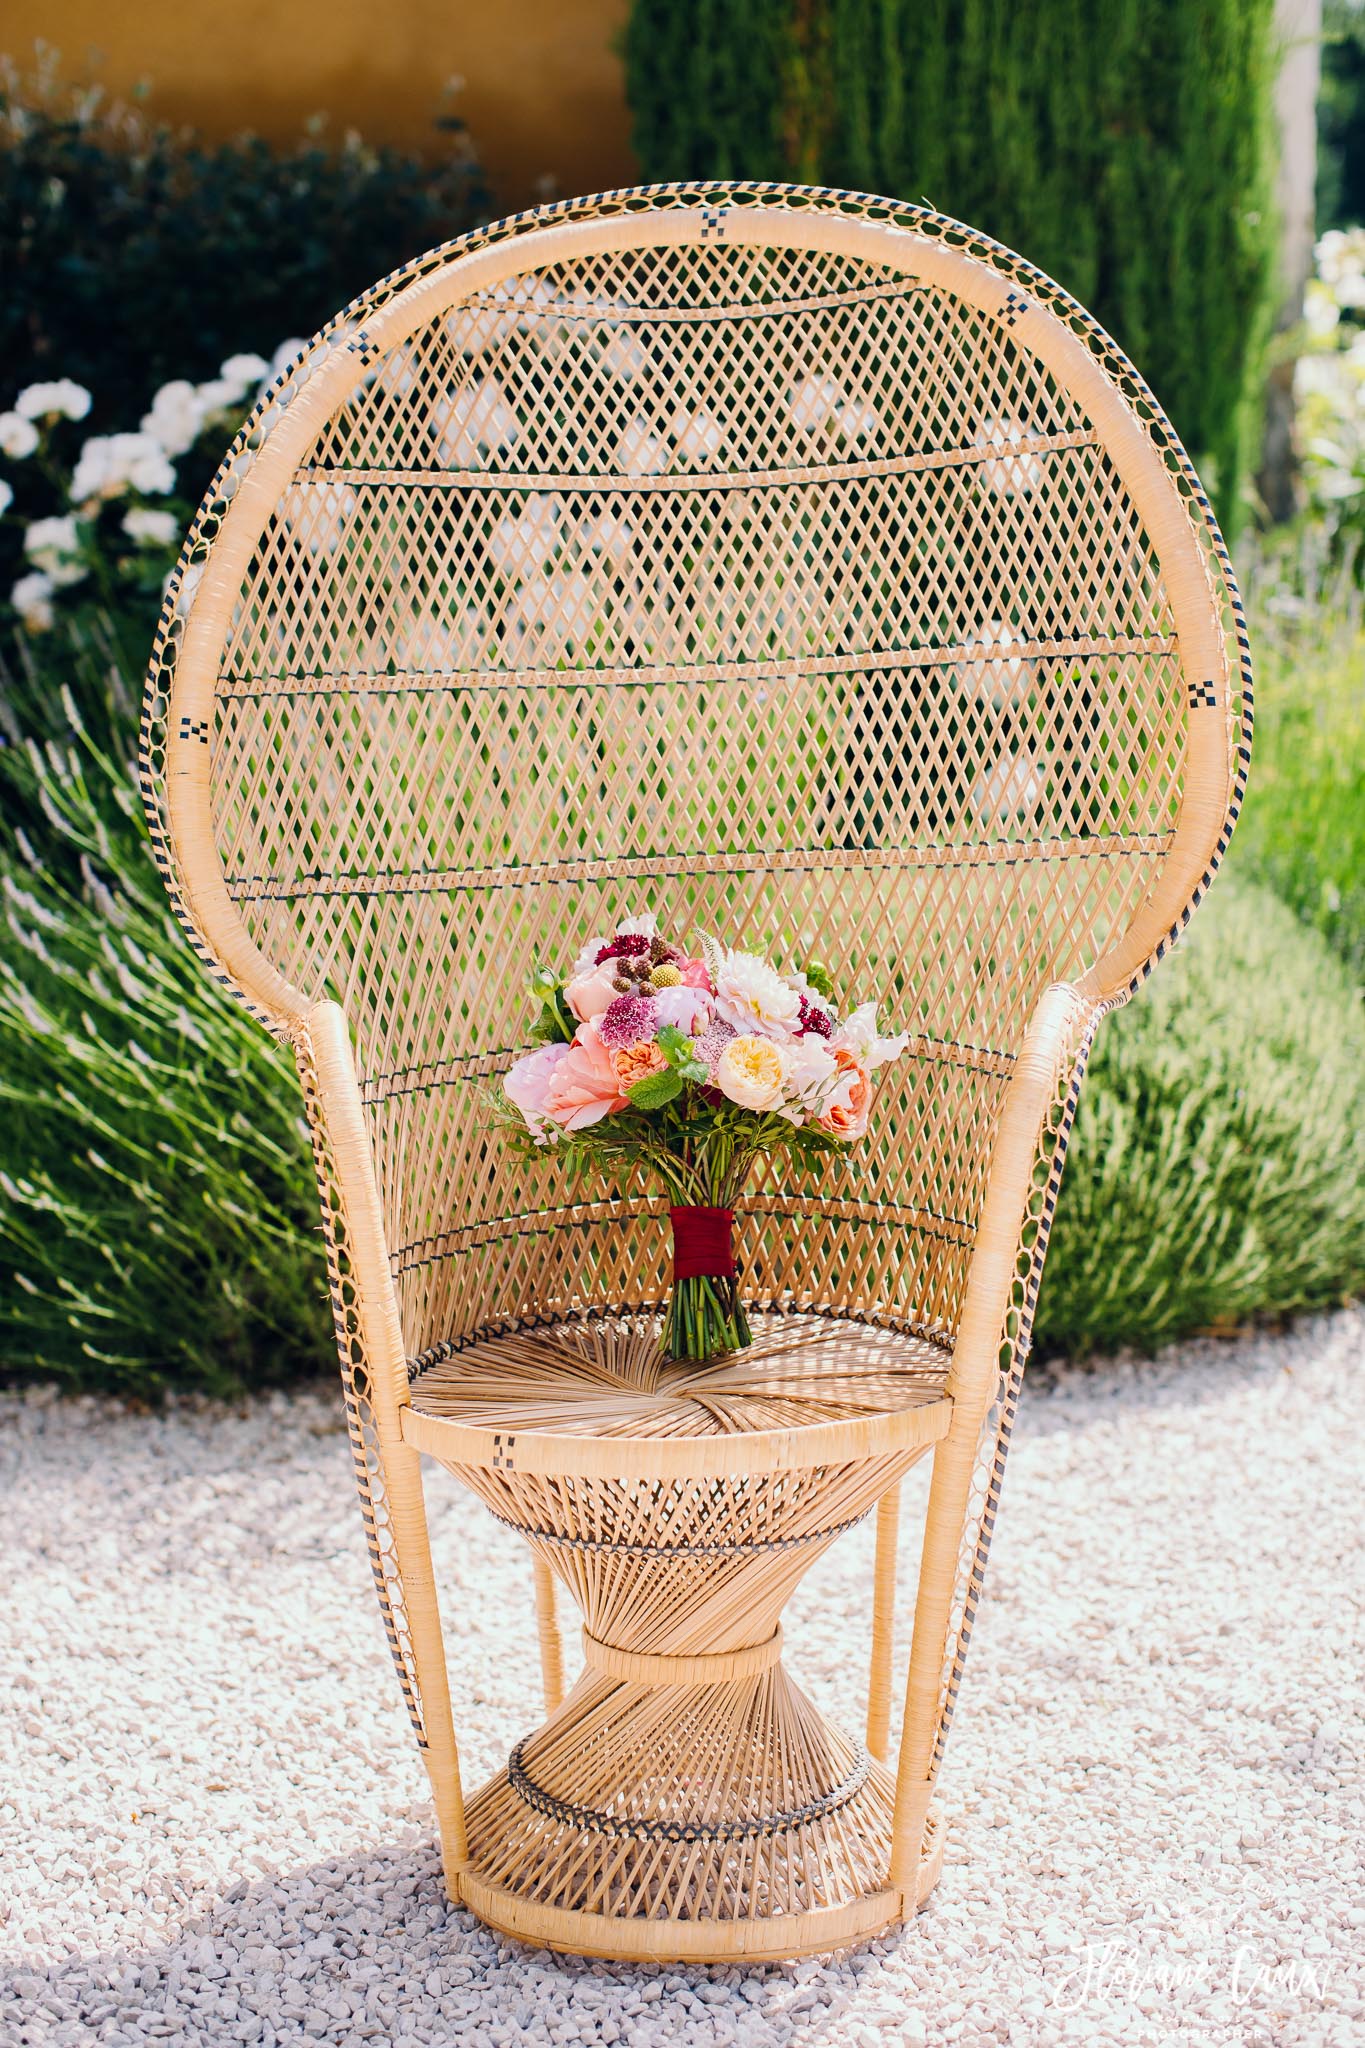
(597,1395)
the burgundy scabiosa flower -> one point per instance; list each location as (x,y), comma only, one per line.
(623,947)
(628,1020)
(815,1020)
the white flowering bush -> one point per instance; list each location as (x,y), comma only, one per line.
(103,517)
(1329,382)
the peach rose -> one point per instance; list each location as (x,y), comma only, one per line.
(583,1087)
(750,1072)
(636,1062)
(589,995)
(845,1114)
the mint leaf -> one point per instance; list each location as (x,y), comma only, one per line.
(677,1049)
(656,1089)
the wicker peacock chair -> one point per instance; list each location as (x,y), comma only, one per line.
(783,561)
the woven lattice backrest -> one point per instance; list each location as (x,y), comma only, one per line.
(787,566)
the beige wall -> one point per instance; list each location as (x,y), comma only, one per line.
(543,93)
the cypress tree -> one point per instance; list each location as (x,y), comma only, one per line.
(1122,145)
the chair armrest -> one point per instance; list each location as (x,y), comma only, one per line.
(992,1344)
(1016,1215)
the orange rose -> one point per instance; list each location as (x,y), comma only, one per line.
(845,1114)
(635,1062)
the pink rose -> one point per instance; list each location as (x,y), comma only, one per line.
(688,1008)
(583,1086)
(528,1082)
(694,974)
(589,995)
(846,1110)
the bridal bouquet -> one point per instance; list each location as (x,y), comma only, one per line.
(692,1065)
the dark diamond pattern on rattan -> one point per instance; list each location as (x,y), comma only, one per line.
(785,561)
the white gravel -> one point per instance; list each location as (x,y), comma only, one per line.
(212,1822)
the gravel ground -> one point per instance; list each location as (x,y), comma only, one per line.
(214,1828)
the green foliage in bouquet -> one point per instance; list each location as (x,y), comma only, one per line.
(1217,1168)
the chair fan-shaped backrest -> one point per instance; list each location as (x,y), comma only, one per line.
(789,564)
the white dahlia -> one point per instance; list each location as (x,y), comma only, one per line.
(753,996)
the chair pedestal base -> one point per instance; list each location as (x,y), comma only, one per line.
(778,1938)
(688,1800)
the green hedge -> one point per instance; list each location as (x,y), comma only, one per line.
(133,253)
(1217,1169)
(1122,145)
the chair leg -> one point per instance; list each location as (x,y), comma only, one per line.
(406,1584)
(883,1623)
(551,1646)
(949,1500)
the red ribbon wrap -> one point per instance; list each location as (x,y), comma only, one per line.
(701,1244)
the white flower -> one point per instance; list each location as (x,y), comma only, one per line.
(858,1035)
(176,417)
(287,353)
(477,417)
(645,926)
(54,547)
(752,996)
(526,540)
(548,615)
(244,373)
(623,355)
(62,399)
(32,599)
(587,959)
(857,420)
(1007,475)
(813,402)
(1011,788)
(18,436)
(218,395)
(319,514)
(110,464)
(640,451)
(809,1072)
(6,497)
(698,434)
(610,535)
(1320,311)
(149,527)
(1001,677)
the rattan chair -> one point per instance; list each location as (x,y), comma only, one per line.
(786,562)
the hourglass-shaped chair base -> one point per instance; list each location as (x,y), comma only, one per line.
(686,1799)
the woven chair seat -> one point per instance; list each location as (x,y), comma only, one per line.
(606,1378)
